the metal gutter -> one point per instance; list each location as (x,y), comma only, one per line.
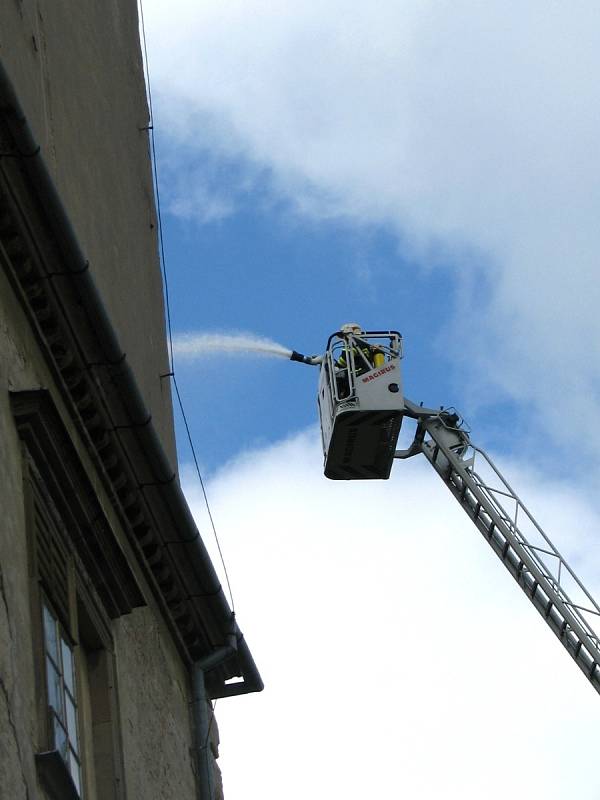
(186,548)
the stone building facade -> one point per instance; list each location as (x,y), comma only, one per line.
(114,630)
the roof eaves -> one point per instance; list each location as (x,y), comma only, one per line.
(59,295)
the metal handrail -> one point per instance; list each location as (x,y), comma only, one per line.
(488,501)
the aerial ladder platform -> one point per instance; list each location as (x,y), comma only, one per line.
(514,535)
(362,408)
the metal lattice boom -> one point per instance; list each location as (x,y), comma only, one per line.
(517,539)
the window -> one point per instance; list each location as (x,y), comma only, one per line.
(80,580)
(78,754)
(78,730)
(62,694)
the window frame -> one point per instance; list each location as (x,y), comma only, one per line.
(72,728)
(85,581)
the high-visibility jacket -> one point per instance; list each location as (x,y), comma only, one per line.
(374,356)
(359,364)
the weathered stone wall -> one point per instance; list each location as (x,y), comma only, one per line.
(17,710)
(153,683)
(77,70)
(155,710)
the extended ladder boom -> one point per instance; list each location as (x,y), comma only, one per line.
(362,409)
(514,535)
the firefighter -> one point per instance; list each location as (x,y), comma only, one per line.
(365,357)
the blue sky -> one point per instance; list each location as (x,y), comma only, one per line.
(431,167)
(293,281)
(266,270)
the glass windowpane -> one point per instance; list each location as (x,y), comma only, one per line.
(75,771)
(60,677)
(60,738)
(71,722)
(55,694)
(67,664)
(50,634)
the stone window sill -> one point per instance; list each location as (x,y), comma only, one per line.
(54,775)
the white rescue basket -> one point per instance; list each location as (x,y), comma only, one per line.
(361,403)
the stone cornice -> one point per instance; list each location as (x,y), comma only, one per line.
(51,279)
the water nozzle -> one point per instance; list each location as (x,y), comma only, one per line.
(312,360)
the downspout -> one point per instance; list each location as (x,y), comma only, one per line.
(202,718)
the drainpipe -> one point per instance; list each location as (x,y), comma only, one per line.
(206,789)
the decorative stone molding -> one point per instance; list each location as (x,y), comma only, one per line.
(56,458)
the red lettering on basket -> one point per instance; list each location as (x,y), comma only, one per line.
(379,373)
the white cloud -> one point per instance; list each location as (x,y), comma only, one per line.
(399,657)
(462,124)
